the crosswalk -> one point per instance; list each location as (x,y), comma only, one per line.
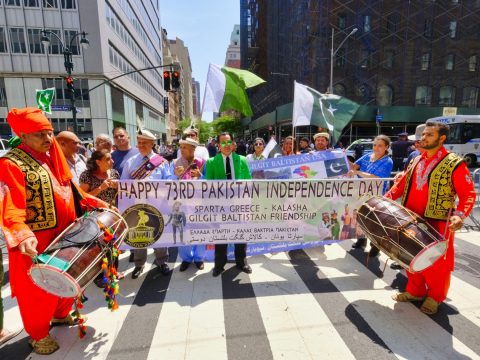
(319,303)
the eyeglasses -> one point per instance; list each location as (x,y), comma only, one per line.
(225,143)
(258,144)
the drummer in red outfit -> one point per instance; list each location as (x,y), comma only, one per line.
(429,187)
(41,206)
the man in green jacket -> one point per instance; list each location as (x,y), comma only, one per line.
(228,165)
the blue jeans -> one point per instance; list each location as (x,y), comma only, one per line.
(192,253)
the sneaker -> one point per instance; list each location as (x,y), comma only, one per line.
(137,271)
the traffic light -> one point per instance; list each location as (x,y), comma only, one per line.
(176,80)
(70,86)
(166,80)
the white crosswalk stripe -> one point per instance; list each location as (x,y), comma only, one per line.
(318,306)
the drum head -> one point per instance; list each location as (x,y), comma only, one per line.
(428,256)
(54,281)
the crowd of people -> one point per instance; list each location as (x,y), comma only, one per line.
(38,207)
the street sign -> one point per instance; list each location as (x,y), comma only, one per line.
(379,118)
(61,108)
(449,111)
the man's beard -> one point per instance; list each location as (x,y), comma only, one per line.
(431,146)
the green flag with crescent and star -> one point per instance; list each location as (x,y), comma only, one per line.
(44,99)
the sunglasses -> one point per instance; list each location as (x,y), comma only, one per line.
(259,144)
(225,143)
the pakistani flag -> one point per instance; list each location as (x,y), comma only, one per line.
(332,112)
(225,89)
(45,98)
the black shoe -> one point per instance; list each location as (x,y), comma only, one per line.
(374,251)
(217,272)
(199,265)
(164,269)
(361,243)
(99,282)
(184,265)
(137,271)
(130,257)
(396,266)
(245,268)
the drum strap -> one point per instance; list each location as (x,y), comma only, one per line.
(40,204)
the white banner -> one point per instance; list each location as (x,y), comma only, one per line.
(176,213)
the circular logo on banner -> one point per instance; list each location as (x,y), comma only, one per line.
(145,224)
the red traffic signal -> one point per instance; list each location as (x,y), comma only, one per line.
(176,79)
(69,80)
(166,80)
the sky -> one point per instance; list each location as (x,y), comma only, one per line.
(205,28)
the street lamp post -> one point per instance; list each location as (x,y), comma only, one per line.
(68,62)
(333,53)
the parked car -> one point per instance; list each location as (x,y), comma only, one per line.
(359,148)
(4,146)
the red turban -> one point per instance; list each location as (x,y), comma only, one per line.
(28,120)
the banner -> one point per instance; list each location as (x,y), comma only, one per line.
(176,213)
(316,165)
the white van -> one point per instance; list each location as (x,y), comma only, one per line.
(464,138)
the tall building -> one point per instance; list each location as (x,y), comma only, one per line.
(407,61)
(124,36)
(180,51)
(196,99)
(232,58)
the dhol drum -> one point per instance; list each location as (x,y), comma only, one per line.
(74,258)
(401,234)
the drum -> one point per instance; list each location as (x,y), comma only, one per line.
(74,258)
(401,234)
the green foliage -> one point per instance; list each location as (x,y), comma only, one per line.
(204,128)
(227,123)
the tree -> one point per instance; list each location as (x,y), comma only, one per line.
(229,124)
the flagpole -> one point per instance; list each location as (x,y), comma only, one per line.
(293,126)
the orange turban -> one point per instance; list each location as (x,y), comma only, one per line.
(28,120)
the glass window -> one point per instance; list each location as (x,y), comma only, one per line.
(449,61)
(50,4)
(55,45)
(34,41)
(428,28)
(367,19)
(392,23)
(423,95)
(17,41)
(31,3)
(472,63)
(12,2)
(342,21)
(69,4)
(75,48)
(3,93)
(384,95)
(452,29)
(470,97)
(340,58)
(447,96)
(365,59)
(389,57)
(425,65)
(3,41)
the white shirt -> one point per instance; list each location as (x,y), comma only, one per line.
(77,168)
(231,165)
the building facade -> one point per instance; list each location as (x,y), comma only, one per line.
(124,37)
(196,99)
(232,58)
(407,60)
(180,52)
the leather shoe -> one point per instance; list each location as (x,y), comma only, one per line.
(199,265)
(164,269)
(217,272)
(137,271)
(361,243)
(184,265)
(374,251)
(245,268)
(396,266)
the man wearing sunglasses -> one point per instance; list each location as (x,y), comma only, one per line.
(231,166)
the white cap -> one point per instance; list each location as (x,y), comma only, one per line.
(145,134)
(418,133)
(189,141)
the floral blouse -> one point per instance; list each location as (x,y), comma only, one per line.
(107,195)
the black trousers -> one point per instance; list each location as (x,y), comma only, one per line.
(221,255)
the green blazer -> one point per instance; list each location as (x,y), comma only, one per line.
(216,169)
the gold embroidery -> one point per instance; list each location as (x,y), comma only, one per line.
(40,211)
